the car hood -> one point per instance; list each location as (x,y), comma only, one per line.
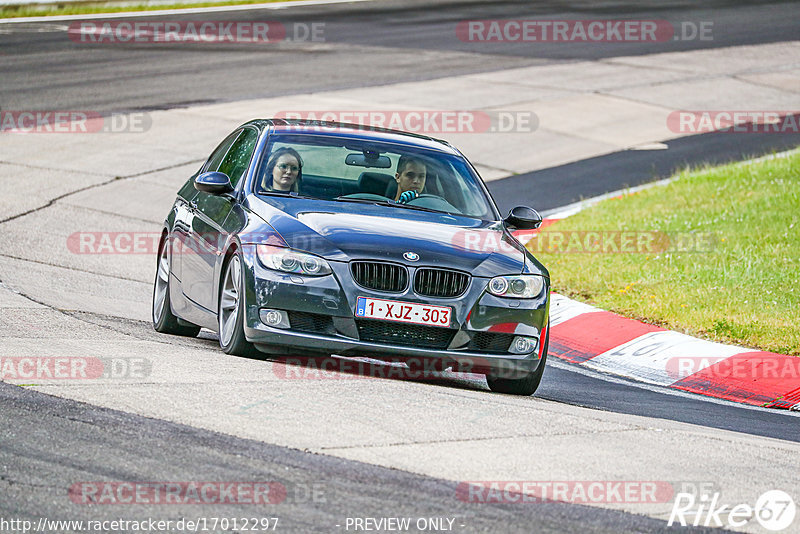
(342,231)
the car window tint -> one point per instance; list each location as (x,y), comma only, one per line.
(238,157)
(332,169)
(216,157)
(328,161)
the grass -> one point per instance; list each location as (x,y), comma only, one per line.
(41,10)
(716,254)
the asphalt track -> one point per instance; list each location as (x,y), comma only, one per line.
(53,443)
(365,44)
(49,443)
(600,392)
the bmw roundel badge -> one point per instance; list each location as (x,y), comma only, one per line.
(411,256)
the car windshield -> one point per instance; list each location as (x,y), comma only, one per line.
(357,170)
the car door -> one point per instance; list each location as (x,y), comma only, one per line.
(209,214)
(185,259)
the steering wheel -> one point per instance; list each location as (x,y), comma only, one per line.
(434,202)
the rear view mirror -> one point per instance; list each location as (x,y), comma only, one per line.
(368,159)
(216,183)
(523,218)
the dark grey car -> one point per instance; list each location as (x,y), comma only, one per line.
(342,264)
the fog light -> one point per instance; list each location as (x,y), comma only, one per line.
(274,318)
(522,345)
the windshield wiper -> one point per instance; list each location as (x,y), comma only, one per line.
(420,208)
(365,201)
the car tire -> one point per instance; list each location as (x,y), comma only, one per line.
(525,385)
(230,312)
(164,321)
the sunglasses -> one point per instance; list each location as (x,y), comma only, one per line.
(284,166)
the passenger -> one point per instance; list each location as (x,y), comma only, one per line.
(284,171)
(410,177)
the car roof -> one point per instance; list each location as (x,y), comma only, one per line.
(357,131)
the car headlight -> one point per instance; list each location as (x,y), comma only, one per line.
(524,286)
(291,261)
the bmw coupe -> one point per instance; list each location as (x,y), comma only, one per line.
(313,238)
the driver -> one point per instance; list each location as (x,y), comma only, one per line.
(284,171)
(410,177)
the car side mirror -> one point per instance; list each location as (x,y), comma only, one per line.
(523,218)
(216,183)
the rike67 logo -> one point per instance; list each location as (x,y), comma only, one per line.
(774,510)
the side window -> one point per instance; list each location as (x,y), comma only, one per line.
(219,152)
(238,157)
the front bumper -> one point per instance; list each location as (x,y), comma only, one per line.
(322,317)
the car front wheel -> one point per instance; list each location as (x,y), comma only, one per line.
(524,385)
(231,310)
(164,320)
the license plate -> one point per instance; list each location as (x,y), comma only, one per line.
(403,312)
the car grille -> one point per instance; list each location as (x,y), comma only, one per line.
(440,283)
(311,322)
(490,342)
(380,276)
(429,337)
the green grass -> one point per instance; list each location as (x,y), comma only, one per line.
(41,10)
(740,285)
